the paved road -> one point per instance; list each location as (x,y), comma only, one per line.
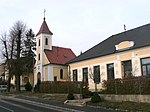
(11,105)
(30,104)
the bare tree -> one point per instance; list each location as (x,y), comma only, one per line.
(7,53)
(18,32)
(13,45)
(92,75)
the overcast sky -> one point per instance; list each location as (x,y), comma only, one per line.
(76,24)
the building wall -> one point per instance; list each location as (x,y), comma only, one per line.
(39,69)
(45,60)
(117,58)
(56,72)
(131,98)
(51,71)
(46,73)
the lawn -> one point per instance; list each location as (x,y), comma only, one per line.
(130,106)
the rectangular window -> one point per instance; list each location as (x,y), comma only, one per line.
(110,71)
(55,78)
(85,75)
(145,63)
(96,74)
(127,65)
(75,75)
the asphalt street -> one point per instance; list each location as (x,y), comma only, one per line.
(7,105)
(31,104)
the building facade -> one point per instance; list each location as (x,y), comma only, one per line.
(51,60)
(119,56)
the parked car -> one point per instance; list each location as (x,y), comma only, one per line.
(3,88)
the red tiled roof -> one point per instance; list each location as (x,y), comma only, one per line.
(44,29)
(59,55)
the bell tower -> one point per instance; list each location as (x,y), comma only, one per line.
(43,41)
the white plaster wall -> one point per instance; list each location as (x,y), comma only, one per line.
(50,73)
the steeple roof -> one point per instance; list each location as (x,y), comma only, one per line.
(44,29)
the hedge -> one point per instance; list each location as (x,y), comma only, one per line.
(131,85)
(3,83)
(62,87)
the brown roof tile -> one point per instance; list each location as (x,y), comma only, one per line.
(44,29)
(59,55)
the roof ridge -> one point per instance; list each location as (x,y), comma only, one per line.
(141,26)
(61,47)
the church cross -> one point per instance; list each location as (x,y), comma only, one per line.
(44,14)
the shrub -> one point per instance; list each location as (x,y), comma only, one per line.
(70,96)
(37,86)
(85,92)
(95,98)
(61,87)
(129,85)
(28,86)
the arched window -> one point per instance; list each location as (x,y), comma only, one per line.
(38,76)
(39,57)
(46,41)
(61,73)
(39,42)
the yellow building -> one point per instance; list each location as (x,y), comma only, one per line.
(119,56)
(51,60)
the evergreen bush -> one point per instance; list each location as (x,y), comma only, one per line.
(37,86)
(85,92)
(95,98)
(70,96)
(28,86)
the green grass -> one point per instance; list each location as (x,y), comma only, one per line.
(130,106)
(52,97)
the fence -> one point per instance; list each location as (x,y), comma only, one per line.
(131,85)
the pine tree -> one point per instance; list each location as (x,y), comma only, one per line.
(29,52)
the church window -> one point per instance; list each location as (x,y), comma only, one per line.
(39,42)
(61,73)
(46,41)
(39,57)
